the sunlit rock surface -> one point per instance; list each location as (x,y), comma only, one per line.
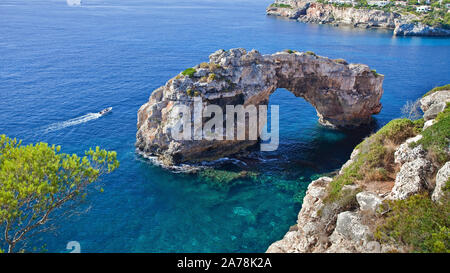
(344,95)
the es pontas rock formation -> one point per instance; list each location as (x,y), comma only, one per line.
(344,95)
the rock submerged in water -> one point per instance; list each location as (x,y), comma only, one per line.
(344,95)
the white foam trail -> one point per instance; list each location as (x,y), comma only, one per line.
(72,122)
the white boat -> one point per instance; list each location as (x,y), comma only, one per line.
(105,111)
(74,3)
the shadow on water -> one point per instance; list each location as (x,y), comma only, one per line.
(305,146)
(327,150)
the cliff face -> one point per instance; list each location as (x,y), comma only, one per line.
(418,29)
(314,12)
(350,212)
(344,95)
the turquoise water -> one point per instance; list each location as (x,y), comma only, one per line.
(60,63)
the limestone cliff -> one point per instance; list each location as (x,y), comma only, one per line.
(310,11)
(344,95)
(418,29)
(389,176)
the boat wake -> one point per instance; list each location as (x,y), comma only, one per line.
(72,122)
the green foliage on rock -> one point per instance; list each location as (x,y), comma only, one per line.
(375,158)
(341,61)
(278,5)
(189,72)
(37,180)
(418,223)
(375,73)
(444,113)
(290,51)
(398,130)
(436,138)
(438,88)
(362,4)
(437,18)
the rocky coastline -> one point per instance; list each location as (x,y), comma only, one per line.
(405,171)
(308,11)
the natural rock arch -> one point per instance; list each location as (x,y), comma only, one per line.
(344,95)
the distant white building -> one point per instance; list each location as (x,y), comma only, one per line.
(73,2)
(447,5)
(423,2)
(401,3)
(379,3)
(423,8)
(351,2)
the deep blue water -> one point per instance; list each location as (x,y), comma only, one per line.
(59,63)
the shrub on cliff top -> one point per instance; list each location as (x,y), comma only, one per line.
(189,72)
(438,88)
(375,160)
(277,5)
(417,223)
(341,61)
(204,65)
(444,113)
(375,72)
(398,130)
(290,51)
(436,138)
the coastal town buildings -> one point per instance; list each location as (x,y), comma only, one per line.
(379,3)
(423,8)
(342,2)
(401,3)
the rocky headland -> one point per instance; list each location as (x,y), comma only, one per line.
(393,195)
(310,11)
(344,95)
